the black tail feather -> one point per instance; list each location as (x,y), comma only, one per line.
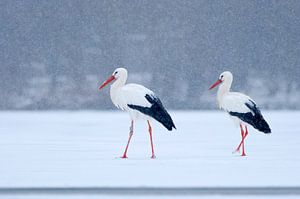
(157,111)
(260,122)
(255,119)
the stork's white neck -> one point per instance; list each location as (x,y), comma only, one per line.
(119,82)
(224,89)
(115,87)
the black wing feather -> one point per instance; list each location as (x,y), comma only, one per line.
(255,119)
(157,111)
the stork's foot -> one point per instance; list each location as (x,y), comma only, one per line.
(124,157)
(153,157)
(236,151)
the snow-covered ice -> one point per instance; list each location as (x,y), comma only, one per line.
(81,148)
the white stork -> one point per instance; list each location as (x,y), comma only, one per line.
(241,108)
(139,102)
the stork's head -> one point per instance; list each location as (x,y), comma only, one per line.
(225,78)
(117,74)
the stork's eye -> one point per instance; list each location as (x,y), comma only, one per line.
(116,72)
(221,76)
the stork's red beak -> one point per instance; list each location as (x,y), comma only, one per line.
(215,84)
(111,78)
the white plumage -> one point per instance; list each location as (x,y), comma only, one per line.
(235,102)
(131,94)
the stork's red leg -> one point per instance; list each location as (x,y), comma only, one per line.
(150,133)
(246,133)
(242,141)
(130,135)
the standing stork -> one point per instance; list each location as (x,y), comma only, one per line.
(139,102)
(242,109)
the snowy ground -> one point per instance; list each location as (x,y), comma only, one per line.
(69,149)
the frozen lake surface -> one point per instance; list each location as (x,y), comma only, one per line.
(82,149)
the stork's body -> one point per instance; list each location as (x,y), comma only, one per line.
(241,108)
(139,102)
